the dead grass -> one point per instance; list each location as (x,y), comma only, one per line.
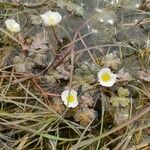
(27,118)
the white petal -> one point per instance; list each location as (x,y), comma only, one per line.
(112,80)
(73,105)
(108,84)
(64,96)
(51,18)
(45,18)
(103,70)
(12,25)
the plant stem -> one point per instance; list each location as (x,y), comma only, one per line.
(55,35)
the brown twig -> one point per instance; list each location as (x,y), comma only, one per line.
(70,46)
(45,94)
(55,35)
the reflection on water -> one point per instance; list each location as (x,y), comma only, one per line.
(107,18)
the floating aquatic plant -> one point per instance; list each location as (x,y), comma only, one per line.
(124,75)
(78,9)
(83,76)
(85,116)
(51,18)
(144,75)
(121,115)
(122,98)
(23,64)
(86,101)
(69,97)
(57,105)
(111,60)
(106,77)
(123,92)
(63,71)
(31,101)
(117,101)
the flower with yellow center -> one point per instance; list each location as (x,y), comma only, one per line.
(51,18)
(12,25)
(69,97)
(106,77)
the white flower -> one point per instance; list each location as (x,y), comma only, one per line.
(51,18)
(106,77)
(69,98)
(12,25)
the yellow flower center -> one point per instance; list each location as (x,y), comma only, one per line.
(70,99)
(106,77)
(51,21)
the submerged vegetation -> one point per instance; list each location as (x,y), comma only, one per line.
(74,75)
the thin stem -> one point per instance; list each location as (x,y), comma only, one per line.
(55,35)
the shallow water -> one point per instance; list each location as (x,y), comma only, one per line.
(41,62)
